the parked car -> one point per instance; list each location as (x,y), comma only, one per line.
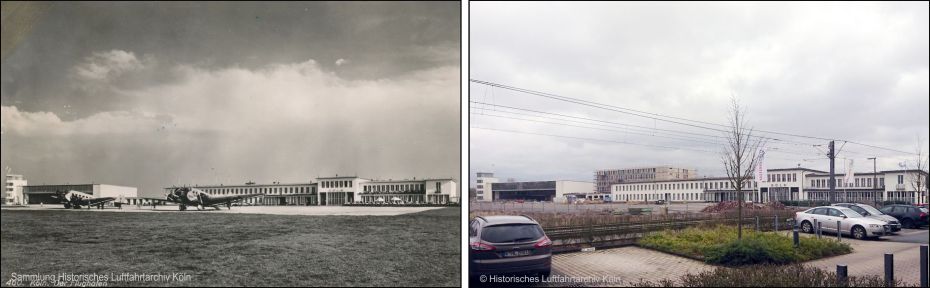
(508,245)
(851,222)
(660,202)
(871,212)
(909,216)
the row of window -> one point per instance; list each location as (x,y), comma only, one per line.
(262,190)
(793,177)
(393,187)
(336,184)
(860,182)
(680,186)
(673,196)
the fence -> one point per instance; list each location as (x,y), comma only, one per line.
(569,231)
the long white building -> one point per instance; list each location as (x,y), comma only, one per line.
(338,190)
(783,184)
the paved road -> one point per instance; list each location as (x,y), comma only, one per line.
(868,256)
(631,264)
(622,267)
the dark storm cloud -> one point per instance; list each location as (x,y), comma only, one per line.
(854,71)
(155,94)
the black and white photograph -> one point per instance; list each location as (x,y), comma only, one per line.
(231,144)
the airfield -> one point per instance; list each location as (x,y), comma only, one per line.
(244,246)
(271,210)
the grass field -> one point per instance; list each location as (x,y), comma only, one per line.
(420,249)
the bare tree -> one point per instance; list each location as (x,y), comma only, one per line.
(739,156)
(918,180)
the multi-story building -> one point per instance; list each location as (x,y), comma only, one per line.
(783,184)
(13,189)
(603,179)
(483,186)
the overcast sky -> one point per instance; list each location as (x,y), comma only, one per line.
(852,71)
(158,94)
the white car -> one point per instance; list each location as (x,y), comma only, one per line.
(871,212)
(851,222)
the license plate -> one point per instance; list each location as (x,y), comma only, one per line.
(519,253)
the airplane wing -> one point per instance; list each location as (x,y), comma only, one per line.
(232,198)
(98,201)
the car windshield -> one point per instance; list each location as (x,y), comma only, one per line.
(511,233)
(871,210)
(850,213)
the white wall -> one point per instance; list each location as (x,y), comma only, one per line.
(103,190)
(563,187)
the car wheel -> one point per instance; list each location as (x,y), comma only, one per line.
(807,227)
(907,223)
(859,233)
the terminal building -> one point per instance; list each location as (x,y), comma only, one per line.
(793,184)
(43,194)
(483,186)
(339,190)
(13,189)
(539,190)
(603,179)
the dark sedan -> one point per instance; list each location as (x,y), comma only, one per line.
(909,216)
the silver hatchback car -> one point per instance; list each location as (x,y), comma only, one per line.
(851,222)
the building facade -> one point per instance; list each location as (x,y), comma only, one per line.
(793,184)
(44,194)
(339,190)
(539,190)
(483,186)
(603,179)
(13,189)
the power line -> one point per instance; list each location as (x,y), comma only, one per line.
(610,141)
(655,115)
(630,125)
(682,138)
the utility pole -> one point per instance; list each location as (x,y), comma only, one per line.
(832,183)
(874,177)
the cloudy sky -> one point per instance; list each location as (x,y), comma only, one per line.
(158,94)
(850,71)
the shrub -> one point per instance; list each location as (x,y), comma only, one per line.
(718,245)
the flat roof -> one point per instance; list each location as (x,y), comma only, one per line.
(341,177)
(243,185)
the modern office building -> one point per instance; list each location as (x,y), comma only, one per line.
(603,179)
(43,194)
(483,186)
(13,189)
(783,185)
(539,190)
